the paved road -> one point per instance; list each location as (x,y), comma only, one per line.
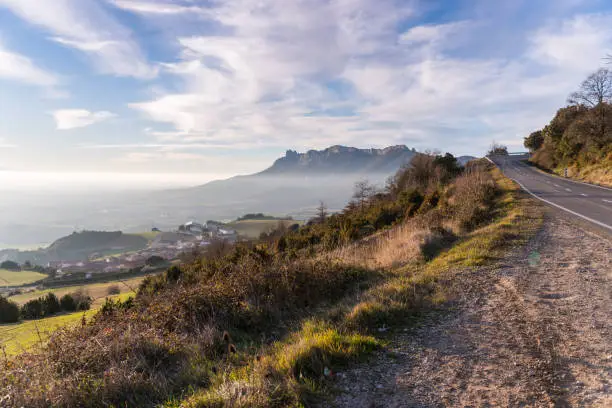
(589,202)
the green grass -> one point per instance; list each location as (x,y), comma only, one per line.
(12,278)
(19,337)
(98,291)
(293,371)
(25,335)
(149,235)
(254,228)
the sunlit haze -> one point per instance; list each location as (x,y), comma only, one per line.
(225,87)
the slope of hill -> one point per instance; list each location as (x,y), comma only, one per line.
(175,339)
(79,246)
(293,185)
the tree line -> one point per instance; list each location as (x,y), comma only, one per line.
(580,133)
(45,306)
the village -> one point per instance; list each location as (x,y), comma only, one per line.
(165,247)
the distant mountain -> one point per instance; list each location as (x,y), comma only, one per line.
(293,185)
(343,160)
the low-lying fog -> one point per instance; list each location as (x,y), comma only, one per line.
(37,208)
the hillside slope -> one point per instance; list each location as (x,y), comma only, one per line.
(294,184)
(267,325)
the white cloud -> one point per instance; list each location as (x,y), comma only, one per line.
(157,7)
(77,118)
(311,74)
(17,67)
(4,144)
(87,27)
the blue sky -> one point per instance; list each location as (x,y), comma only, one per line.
(225,87)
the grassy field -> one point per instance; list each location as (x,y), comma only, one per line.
(149,236)
(98,291)
(253,228)
(23,336)
(12,278)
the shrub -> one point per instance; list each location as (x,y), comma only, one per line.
(76,301)
(113,290)
(473,198)
(67,303)
(33,309)
(9,311)
(51,305)
(155,260)
(82,300)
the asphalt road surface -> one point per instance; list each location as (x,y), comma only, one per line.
(592,203)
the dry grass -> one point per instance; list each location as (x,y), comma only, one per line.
(294,320)
(388,249)
(599,173)
(294,371)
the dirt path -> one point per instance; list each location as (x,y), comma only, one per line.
(534,332)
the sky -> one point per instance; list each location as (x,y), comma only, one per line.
(224,87)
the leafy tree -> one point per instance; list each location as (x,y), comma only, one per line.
(33,309)
(497,150)
(155,260)
(534,141)
(9,311)
(67,303)
(51,305)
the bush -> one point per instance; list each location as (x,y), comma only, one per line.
(76,301)
(9,311)
(68,303)
(155,260)
(51,305)
(82,300)
(33,309)
(472,199)
(113,290)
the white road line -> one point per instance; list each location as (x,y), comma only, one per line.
(556,185)
(568,189)
(601,224)
(607,201)
(584,195)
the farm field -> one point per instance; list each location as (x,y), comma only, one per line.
(253,228)
(149,236)
(14,278)
(97,291)
(23,336)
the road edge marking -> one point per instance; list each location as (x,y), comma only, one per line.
(601,224)
(553,175)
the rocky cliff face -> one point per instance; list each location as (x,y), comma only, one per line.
(343,160)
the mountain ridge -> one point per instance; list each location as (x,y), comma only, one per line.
(343,159)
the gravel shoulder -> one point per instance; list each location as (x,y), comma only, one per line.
(534,331)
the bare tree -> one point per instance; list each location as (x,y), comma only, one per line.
(594,90)
(497,149)
(321,212)
(363,190)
